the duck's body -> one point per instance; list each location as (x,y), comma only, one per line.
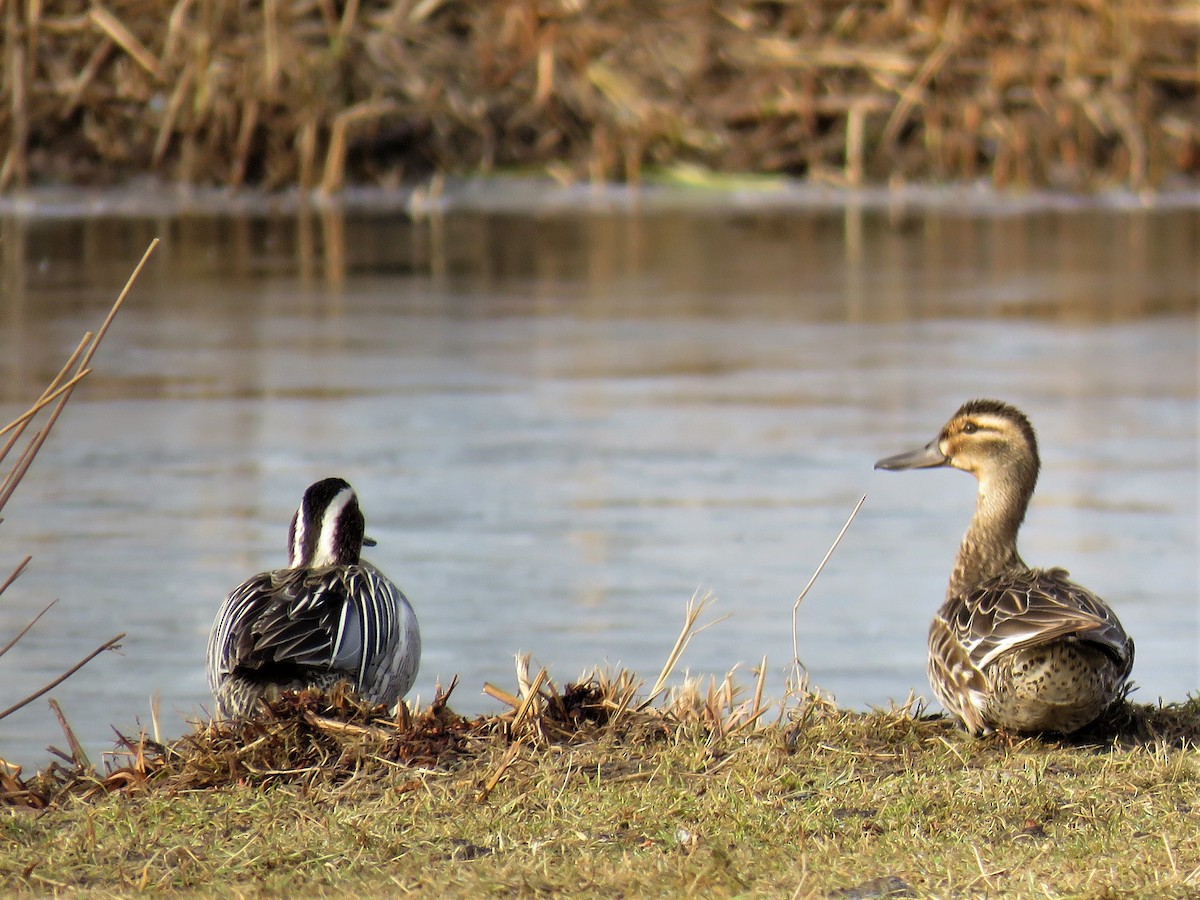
(329,617)
(1014,648)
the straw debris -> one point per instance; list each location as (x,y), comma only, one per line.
(309,737)
(297,93)
(319,794)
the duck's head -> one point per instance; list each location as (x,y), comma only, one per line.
(328,528)
(986,438)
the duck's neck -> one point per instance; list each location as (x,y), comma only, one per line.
(990,545)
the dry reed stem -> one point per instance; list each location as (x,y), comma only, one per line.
(18,425)
(16,573)
(816,574)
(500,694)
(696,605)
(45,609)
(910,95)
(316,93)
(493,779)
(531,702)
(112,643)
(40,404)
(83,353)
(78,756)
(125,39)
(57,392)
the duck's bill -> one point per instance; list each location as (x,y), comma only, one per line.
(928,457)
(369,541)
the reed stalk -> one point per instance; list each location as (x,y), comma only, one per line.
(1077,96)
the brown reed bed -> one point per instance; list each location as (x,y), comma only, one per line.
(312,93)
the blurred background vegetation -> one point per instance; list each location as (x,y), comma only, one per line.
(1080,95)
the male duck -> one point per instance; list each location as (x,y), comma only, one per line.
(327,618)
(1013,648)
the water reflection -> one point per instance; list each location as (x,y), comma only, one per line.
(562,424)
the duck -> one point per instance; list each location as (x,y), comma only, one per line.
(329,617)
(1013,648)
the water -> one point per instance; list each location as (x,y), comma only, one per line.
(565,421)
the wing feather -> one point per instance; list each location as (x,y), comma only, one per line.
(1023,609)
(341,618)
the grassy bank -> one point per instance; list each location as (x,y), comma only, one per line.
(1069,95)
(586,792)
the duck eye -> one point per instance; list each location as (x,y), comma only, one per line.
(969,428)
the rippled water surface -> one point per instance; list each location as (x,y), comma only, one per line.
(562,423)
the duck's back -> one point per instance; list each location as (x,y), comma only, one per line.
(1053,655)
(297,628)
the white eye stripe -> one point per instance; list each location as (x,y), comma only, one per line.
(298,538)
(326,549)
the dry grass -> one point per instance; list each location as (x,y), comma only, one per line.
(606,787)
(295,92)
(693,795)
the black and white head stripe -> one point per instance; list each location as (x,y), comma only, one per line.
(329,617)
(328,527)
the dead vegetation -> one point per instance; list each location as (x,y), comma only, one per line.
(313,93)
(604,786)
(586,790)
(29,432)
(310,737)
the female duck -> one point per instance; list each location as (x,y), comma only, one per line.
(327,618)
(1013,648)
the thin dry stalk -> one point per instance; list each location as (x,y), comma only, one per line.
(16,573)
(45,401)
(121,35)
(740,720)
(696,605)
(112,643)
(618,693)
(58,392)
(88,349)
(811,581)
(494,778)
(78,755)
(531,702)
(24,631)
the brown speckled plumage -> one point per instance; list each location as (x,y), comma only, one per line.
(1013,648)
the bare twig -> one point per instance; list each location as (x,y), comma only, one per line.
(15,575)
(45,401)
(112,643)
(24,631)
(811,581)
(18,471)
(20,423)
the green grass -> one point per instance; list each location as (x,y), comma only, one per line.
(651,803)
